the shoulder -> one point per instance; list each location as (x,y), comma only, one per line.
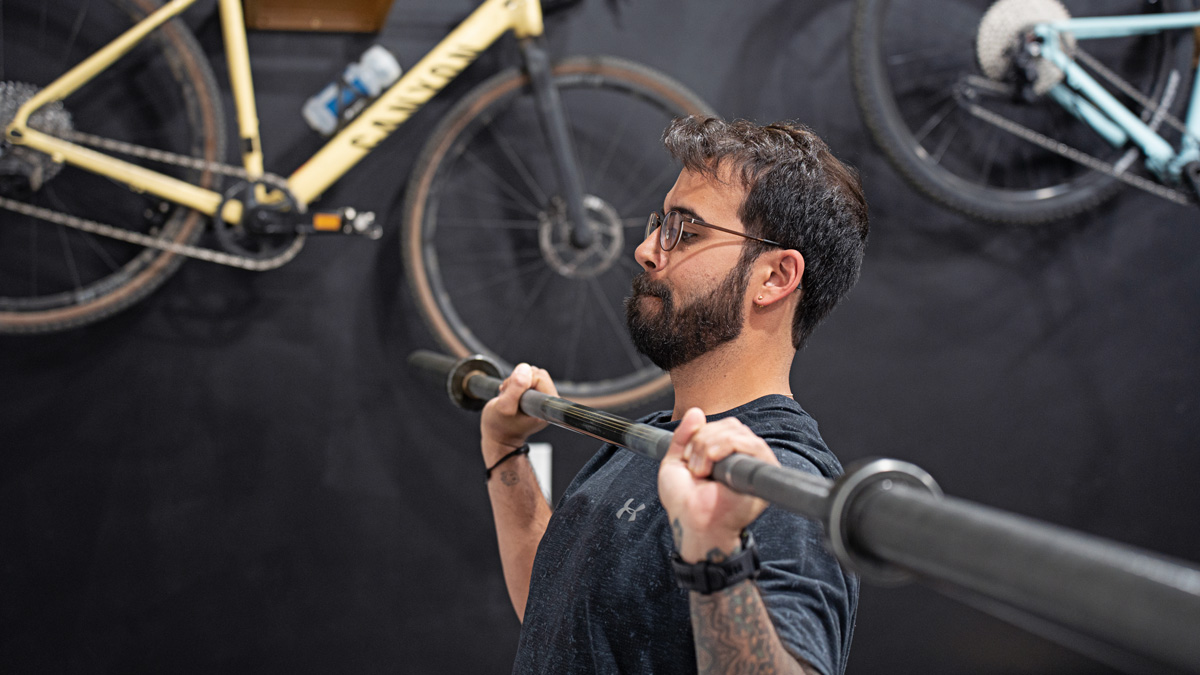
(791,432)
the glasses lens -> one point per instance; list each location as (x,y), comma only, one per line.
(670,231)
(651,224)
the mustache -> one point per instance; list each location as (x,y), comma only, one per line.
(644,286)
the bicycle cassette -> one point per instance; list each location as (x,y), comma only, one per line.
(36,167)
(1001,34)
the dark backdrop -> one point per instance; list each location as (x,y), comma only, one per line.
(239,474)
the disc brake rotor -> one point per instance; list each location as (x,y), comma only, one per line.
(554,238)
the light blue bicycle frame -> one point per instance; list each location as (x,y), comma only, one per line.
(1087,100)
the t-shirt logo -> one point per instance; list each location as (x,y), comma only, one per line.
(632,512)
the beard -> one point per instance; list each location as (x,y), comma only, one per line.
(674,336)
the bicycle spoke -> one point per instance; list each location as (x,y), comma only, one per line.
(577,326)
(459,259)
(485,223)
(501,183)
(33,257)
(69,257)
(462,195)
(654,187)
(904,58)
(42,24)
(989,160)
(613,143)
(935,120)
(583,157)
(507,275)
(617,324)
(102,254)
(937,158)
(515,160)
(520,317)
(79,19)
(89,239)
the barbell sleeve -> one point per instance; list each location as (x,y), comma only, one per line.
(888,521)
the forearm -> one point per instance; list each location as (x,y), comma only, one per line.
(734,634)
(521,514)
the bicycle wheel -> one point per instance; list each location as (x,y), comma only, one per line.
(917,74)
(485,240)
(162,95)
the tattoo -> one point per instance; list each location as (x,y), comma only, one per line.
(677,532)
(733,633)
(509,477)
(716,555)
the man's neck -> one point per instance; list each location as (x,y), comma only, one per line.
(730,376)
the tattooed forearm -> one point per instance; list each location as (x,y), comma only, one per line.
(509,477)
(734,633)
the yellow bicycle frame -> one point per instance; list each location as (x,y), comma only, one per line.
(394,106)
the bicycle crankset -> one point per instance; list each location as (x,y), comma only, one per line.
(272,218)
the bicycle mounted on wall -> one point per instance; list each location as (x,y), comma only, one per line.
(529,196)
(1026,111)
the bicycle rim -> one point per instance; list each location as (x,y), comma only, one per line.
(914,59)
(162,95)
(485,240)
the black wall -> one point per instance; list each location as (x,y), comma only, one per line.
(239,474)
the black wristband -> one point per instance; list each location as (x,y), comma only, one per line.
(709,577)
(523,450)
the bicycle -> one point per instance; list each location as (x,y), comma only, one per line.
(996,110)
(541,176)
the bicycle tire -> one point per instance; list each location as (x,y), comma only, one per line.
(486,200)
(907,57)
(162,94)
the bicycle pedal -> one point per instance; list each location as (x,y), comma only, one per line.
(347,220)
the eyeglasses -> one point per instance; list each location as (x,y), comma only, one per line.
(672,229)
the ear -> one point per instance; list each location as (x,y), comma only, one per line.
(780,274)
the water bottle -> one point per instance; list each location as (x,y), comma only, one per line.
(342,99)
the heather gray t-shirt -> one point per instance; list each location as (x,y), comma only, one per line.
(602,596)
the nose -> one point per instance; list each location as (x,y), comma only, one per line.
(648,254)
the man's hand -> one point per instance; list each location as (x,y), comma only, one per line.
(503,427)
(706,517)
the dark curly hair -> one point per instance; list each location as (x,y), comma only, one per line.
(797,193)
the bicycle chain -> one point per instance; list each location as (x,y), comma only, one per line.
(1077,156)
(1158,112)
(148,241)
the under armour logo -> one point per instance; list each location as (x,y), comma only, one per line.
(632,512)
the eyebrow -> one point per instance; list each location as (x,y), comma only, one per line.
(683,210)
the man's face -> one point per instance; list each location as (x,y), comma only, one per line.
(672,336)
(691,300)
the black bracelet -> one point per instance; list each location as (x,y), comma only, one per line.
(487,473)
(708,577)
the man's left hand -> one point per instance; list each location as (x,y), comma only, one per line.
(706,517)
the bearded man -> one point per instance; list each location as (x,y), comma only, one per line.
(649,567)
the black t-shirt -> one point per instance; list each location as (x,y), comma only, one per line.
(602,596)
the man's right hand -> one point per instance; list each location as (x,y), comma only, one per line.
(503,427)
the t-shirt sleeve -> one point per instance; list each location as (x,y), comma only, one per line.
(811,600)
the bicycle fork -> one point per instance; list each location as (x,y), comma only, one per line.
(554,125)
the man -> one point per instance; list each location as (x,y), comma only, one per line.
(643,568)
